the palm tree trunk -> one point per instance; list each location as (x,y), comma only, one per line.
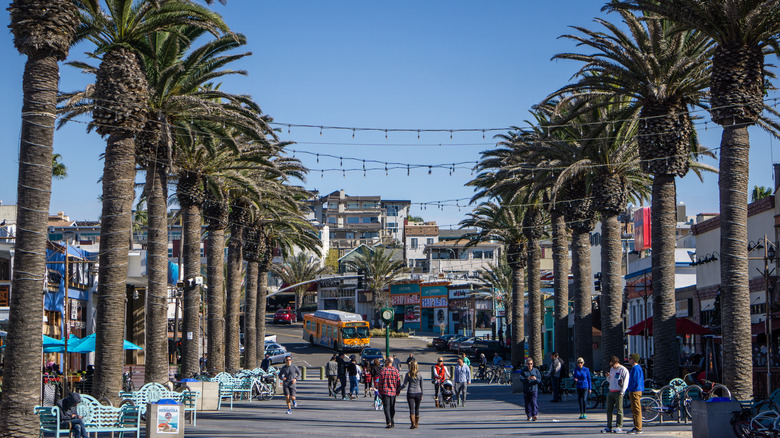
(191,219)
(534,301)
(735,293)
(561,284)
(518,309)
(611,292)
(262,295)
(156,368)
(233,305)
(250,312)
(583,297)
(250,288)
(116,221)
(22,377)
(664,237)
(216,289)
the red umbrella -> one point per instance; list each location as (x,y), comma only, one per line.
(684,327)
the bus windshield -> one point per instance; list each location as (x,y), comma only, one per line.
(354,332)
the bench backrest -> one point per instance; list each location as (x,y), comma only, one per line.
(49,417)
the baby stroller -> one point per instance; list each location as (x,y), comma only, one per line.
(447,394)
(377,403)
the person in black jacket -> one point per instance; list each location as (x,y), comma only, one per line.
(342,361)
(69,417)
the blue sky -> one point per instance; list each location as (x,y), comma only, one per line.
(404,64)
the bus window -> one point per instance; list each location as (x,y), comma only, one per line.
(319,334)
(354,332)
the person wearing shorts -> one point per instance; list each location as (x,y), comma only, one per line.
(289,374)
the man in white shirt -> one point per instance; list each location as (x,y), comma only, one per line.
(462,380)
(618,384)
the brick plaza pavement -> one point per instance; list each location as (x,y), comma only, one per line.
(491,410)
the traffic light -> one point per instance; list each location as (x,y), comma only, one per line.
(597,282)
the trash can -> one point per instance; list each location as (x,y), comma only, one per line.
(711,418)
(165,419)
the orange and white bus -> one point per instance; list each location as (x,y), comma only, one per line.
(342,331)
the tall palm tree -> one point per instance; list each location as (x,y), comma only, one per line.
(663,72)
(500,222)
(43,31)
(120,112)
(379,270)
(297,269)
(742,30)
(497,278)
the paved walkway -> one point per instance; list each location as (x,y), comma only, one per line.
(491,410)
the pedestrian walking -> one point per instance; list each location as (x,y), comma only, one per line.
(462,379)
(396,362)
(266,362)
(413,382)
(409,359)
(465,359)
(342,362)
(556,367)
(332,373)
(584,384)
(387,384)
(353,373)
(439,373)
(530,377)
(365,377)
(636,385)
(618,383)
(290,374)
(376,369)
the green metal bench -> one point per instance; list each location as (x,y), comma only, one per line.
(97,418)
(154,392)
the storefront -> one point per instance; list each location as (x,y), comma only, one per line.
(458,307)
(434,298)
(405,299)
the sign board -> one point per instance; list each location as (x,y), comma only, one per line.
(440,316)
(434,291)
(397,289)
(434,302)
(456,294)
(412,313)
(400,300)
(168,417)
(189,336)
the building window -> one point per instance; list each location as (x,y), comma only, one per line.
(477,254)
(367,205)
(353,205)
(392,210)
(370,220)
(413,243)
(353,220)
(369,235)
(332,220)
(350,235)
(429,241)
(595,239)
(170,253)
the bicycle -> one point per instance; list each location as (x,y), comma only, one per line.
(669,400)
(264,387)
(127,381)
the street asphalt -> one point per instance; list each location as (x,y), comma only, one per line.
(491,410)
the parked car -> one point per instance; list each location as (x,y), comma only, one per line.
(369,354)
(276,353)
(440,343)
(454,342)
(465,346)
(274,346)
(488,348)
(285,316)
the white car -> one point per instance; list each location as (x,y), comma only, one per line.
(276,353)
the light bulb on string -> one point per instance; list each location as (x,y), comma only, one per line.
(386,174)
(344,173)
(430,168)
(364,166)
(418,131)
(483,134)
(288,129)
(320,130)
(407,170)
(364,173)
(318,158)
(353,132)
(322,175)
(385,134)
(341,161)
(450,134)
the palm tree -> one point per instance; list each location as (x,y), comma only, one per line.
(58,168)
(497,278)
(120,112)
(43,31)
(379,271)
(298,269)
(760,192)
(662,72)
(742,30)
(502,222)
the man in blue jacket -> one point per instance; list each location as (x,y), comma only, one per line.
(530,377)
(636,384)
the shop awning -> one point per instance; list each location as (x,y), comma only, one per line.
(684,327)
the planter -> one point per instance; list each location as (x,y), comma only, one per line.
(711,419)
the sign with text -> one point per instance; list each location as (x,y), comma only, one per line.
(434,302)
(434,291)
(399,289)
(457,294)
(412,313)
(168,418)
(400,300)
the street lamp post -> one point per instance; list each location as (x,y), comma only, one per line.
(769,256)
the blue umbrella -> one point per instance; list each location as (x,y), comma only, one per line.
(73,341)
(48,343)
(87,345)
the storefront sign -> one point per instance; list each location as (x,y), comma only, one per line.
(399,289)
(400,300)
(350,282)
(434,302)
(458,305)
(456,294)
(434,291)
(331,282)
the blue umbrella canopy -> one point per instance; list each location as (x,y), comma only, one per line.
(51,342)
(73,341)
(87,345)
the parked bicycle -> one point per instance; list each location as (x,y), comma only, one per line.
(127,381)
